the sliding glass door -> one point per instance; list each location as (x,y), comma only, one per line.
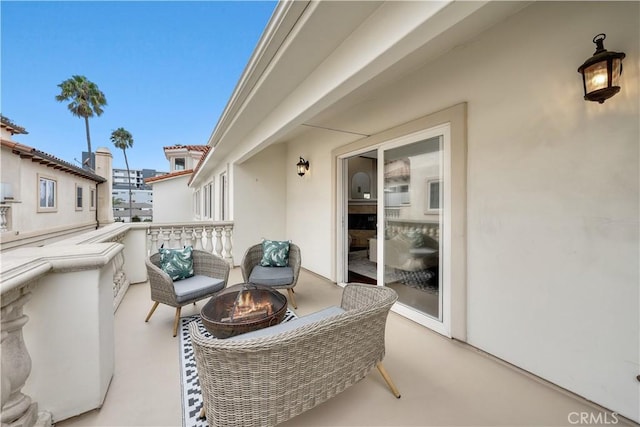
(411,212)
(412,207)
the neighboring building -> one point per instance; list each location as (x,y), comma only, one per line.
(173,201)
(45,198)
(515,201)
(143,211)
(140,191)
(137,196)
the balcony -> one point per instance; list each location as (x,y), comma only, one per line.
(126,371)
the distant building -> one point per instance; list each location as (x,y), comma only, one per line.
(44,198)
(173,201)
(142,211)
(140,191)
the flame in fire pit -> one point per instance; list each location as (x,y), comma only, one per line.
(246,307)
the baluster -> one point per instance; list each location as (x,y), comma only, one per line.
(208,232)
(218,245)
(188,237)
(177,238)
(154,241)
(4,222)
(227,243)
(198,233)
(166,235)
(17,408)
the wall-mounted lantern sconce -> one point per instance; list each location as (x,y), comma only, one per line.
(303,166)
(601,72)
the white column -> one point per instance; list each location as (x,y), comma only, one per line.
(17,408)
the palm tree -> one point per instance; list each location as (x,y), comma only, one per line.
(122,139)
(86,101)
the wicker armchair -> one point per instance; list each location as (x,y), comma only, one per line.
(206,266)
(266,380)
(252,259)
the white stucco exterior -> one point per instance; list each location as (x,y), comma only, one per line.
(551,191)
(172,199)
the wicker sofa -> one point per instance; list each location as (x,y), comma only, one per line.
(265,379)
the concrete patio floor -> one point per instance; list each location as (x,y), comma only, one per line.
(443,382)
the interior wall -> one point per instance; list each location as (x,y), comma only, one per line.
(552,194)
(259,199)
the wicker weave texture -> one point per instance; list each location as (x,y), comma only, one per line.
(254,254)
(161,285)
(265,381)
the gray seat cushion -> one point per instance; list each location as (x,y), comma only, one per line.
(196,287)
(271,276)
(292,324)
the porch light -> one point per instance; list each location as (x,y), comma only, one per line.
(601,73)
(303,166)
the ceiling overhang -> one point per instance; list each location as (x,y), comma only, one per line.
(317,58)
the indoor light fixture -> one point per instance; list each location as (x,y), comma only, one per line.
(601,72)
(303,166)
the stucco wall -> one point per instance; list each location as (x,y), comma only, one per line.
(172,200)
(25,218)
(260,199)
(552,194)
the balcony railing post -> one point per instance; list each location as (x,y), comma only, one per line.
(209,230)
(227,243)
(17,408)
(198,232)
(154,241)
(218,245)
(177,232)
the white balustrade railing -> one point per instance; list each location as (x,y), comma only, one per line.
(398,226)
(214,237)
(117,252)
(4,218)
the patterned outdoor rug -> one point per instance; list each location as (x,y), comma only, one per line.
(191,396)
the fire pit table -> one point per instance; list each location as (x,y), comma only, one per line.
(242,308)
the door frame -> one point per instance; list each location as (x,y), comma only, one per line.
(442,325)
(456,116)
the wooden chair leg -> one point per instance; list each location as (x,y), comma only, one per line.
(203,415)
(176,321)
(292,298)
(155,305)
(387,378)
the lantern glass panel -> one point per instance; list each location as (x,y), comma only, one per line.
(595,76)
(615,73)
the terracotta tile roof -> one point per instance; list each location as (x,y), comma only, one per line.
(202,148)
(200,162)
(26,152)
(167,176)
(13,128)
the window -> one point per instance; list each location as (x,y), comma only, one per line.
(208,193)
(179,164)
(224,201)
(196,202)
(78,197)
(433,195)
(47,194)
(92,198)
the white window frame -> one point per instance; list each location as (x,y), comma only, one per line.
(175,163)
(79,192)
(428,208)
(51,186)
(92,198)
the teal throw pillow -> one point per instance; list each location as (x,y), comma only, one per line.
(177,263)
(275,253)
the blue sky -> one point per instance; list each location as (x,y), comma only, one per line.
(167,70)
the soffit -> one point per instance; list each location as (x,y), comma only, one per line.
(320,78)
